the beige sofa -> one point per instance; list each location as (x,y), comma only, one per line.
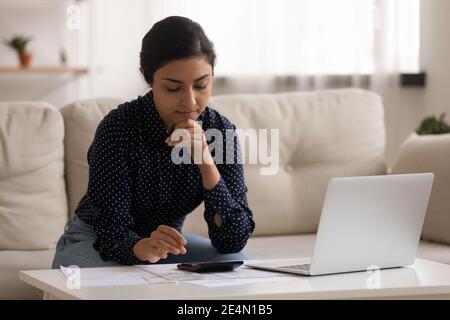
(43,171)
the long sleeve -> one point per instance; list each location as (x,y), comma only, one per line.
(109,192)
(229,199)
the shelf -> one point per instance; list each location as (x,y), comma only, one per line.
(59,70)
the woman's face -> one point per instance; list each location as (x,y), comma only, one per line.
(181,89)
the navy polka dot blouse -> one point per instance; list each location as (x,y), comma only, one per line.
(134,186)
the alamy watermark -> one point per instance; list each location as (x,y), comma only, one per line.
(73,21)
(374,279)
(73,277)
(255,146)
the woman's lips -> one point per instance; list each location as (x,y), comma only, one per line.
(187,115)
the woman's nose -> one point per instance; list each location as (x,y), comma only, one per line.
(188,99)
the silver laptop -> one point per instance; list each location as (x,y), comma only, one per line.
(366,223)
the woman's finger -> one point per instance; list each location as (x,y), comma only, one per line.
(164,237)
(161,244)
(188,123)
(157,254)
(172,232)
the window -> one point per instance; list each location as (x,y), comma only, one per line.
(306,37)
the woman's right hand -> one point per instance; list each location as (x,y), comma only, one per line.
(162,241)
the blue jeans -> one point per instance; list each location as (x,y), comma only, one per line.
(75,247)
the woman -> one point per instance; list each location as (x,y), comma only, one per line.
(138,197)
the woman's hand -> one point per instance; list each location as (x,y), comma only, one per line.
(188,133)
(196,142)
(162,241)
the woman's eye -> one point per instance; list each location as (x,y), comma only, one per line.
(196,87)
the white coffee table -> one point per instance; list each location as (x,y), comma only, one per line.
(425,279)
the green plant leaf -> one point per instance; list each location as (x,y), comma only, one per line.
(18,43)
(431,125)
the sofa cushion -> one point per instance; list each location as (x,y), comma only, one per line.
(430,153)
(13,261)
(302,246)
(323,134)
(33,204)
(81,120)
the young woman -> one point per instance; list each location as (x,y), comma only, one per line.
(138,197)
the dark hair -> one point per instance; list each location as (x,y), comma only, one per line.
(174,38)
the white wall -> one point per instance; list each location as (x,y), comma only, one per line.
(117,34)
(45,22)
(108,42)
(405,108)
(436,56)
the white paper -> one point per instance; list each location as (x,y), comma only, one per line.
(239,276)
(238,282)
(170,272)
(164,274)
(109,276)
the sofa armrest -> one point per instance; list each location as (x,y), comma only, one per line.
(430,153)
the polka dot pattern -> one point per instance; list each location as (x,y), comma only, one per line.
(134,186)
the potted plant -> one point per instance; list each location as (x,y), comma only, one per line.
(19,43)
(428,150)
(431,125)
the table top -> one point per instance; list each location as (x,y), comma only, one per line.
(423,278)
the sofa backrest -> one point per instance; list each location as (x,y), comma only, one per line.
(321,134)
(33,204)
(81,119)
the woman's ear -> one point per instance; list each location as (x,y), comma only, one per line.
(143,74)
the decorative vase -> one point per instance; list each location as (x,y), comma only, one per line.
(430,153)
(25,59)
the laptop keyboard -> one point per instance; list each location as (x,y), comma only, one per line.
(304,267)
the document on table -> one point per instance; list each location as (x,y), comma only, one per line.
(108,276)
(239,276)
(165,274)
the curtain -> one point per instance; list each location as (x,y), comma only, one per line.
(280,45)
